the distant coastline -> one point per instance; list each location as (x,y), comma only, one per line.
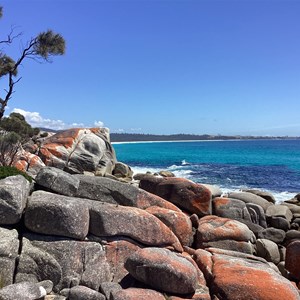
(137,137)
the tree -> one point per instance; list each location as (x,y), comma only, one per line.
(39,48)
(16,123)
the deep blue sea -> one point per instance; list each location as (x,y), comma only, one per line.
(270,165)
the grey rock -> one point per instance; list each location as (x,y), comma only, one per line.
(81,292)
(268,250)
(65,262)
(259,216)
(250,198)
(295,209)
(268,196)
(230,208)
(47,285)
(122,170)
(255,228)
(109,288)
(292,234)
(22,291)
(57,181)
(273,234)
(280,211)
(54,297)
(53,214)
(279,222)
(9,245)
(14,191)
(163,270)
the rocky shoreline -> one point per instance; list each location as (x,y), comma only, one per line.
(81,236)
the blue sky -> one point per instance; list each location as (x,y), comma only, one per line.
(215,67)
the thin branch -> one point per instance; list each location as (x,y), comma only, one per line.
(11,37)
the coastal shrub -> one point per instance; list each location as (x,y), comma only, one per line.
(9,147)
(44,134)
(6,171)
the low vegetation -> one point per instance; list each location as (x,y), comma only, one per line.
(6,171)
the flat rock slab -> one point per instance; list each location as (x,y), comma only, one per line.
(63,261)
(9,245)
(187,195)
(14,191)
(54,214)
(116,220)
(163,270)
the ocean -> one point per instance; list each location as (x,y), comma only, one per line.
(269,165)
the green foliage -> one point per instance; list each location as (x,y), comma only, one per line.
(49,43)
(44,134)
(9,147)
(7,65)
(17,123)
(6,171)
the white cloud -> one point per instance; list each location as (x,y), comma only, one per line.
(135,129)
(98,124)
(36,120)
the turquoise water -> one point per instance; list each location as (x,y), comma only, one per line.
(272,165)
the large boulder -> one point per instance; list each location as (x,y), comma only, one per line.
(57,181)
(116,220)
(251,198)
(63,261)
(268,250)
(187,195)
(224,233)
(268,196)
(230,208)
(163,270)
(235,275)
(79,150)
(22,291)
(279,211)
(136,293)
(9,245)
(117,250)
(177,221)
(112,191)
(292,262)
(273,234)
(98,188)
(53,214)
(80,292)
(14,191)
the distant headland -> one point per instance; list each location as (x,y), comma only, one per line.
(138,137)
(142,137)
